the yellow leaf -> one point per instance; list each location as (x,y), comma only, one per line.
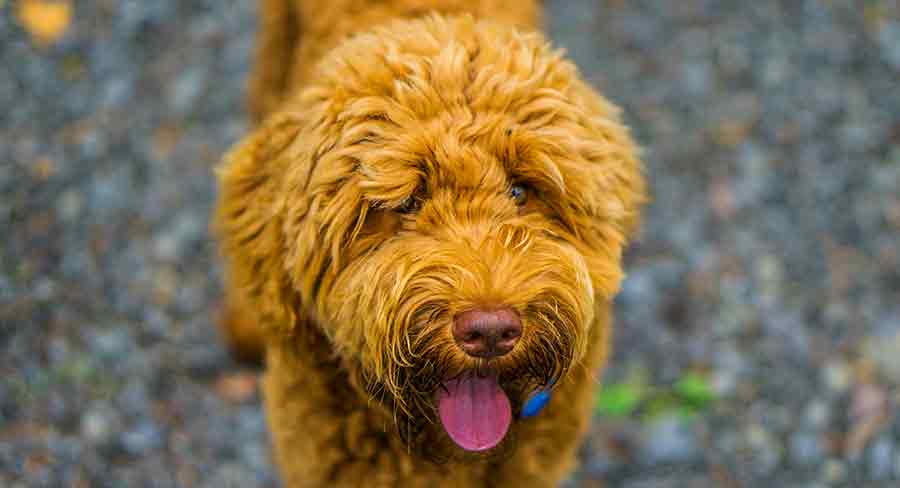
(45,20)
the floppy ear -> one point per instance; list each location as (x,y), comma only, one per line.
(615,189)
(249,224)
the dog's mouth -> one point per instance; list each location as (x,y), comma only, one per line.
(475,411)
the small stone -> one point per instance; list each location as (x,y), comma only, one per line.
(112,344)
(805,448)
(203,362)
(233,474)
(165,284)
(238,387)
(889,41)
(766,451)
(837,376)
(883,351)
(58,350)
(724,382)
(69,205)
(187,89)
(696,77)
(144,437)
(869,400)
(834,471)
(165,246)
(869,416)
(255,455)
(134,399)
(670,440)
(836,313)
(98,424)
(881,459)
(770,273)
(818,414)
(44,289)
(116,92)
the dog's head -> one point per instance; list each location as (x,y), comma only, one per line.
(448,201)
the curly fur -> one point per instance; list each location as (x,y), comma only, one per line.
(372,205)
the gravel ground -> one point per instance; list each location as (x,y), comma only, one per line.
(769,265)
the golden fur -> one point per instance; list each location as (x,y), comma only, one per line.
(371,205)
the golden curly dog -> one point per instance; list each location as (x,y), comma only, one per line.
(424,233)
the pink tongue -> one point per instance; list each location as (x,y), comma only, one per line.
(475,412)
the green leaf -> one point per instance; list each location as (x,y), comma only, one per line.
(619,400)
(694,390)
(662,404)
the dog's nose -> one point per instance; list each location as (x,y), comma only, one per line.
(487,333)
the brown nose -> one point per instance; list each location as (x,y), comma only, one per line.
(487,333)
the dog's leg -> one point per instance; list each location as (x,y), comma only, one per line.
(242,330)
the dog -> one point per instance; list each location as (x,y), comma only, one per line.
(423,236)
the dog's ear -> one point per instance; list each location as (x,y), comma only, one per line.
(249,223)
(616,159)
(613,190)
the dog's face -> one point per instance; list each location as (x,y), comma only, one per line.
(448,202)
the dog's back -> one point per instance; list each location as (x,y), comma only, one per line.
(294,34)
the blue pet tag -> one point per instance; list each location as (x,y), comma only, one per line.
(535,404)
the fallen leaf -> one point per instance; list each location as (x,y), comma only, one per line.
(166,139)
(732,132)
(43,169)
(618,400)
(869,416)
(237,387)
(722,199)
(45,20)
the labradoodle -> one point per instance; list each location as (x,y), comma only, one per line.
(423,236)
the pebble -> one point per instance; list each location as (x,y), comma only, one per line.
(817,414)
(805,448)
(669,440)
(134,399)
(143,437)
(99,424)
(834,471)
(70,205)
(185,91)
(113,344)
(883,350)
(837,376)
(44,289)
(204,362)
(881,459)
(765,449)
(889,41)
(232,474)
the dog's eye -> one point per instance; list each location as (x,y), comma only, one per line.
(410,205)
(519,194)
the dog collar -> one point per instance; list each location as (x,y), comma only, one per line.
(536,403)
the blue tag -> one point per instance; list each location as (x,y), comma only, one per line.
(535,404)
